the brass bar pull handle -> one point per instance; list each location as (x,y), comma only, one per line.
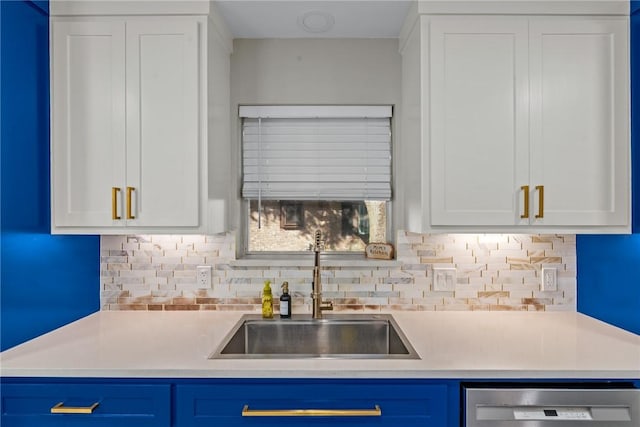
(375,412)
(540,189)
(61,409)
(129,191)
(525,189)
(114,203)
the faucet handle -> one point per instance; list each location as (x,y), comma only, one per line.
(319,243)
(326,305)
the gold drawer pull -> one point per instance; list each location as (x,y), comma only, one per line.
(129,191)
(376,412)
(540,189)
(114,203)
(525,188)
(61,409)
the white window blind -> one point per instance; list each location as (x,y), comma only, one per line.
(316,153)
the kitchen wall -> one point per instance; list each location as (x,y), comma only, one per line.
(634,42)
(494,272)
(311,71)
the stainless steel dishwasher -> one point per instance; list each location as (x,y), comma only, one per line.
(558,406)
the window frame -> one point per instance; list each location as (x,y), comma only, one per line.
(243,253)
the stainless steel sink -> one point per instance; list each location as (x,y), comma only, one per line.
(374,336)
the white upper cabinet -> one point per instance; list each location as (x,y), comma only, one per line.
(163,123)
(88,121)
(128,143)
(525,124)
(479,142)
(579,119)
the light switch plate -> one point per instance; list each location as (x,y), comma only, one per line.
(444,279)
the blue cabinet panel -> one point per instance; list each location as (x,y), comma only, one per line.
(119,405)
(46,281)
(42,5)
(609,279)
(401,404)
(25,117)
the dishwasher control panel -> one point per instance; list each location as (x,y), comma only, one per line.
(556,413)
(551,407)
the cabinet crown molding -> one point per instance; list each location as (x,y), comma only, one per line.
(525,7)
(125,7)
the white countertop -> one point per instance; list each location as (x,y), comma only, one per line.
(455,345)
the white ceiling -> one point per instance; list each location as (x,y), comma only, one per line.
(283,19)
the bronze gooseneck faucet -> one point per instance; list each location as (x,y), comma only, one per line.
(316,286)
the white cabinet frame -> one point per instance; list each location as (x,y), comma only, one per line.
(129,125)
(519,101)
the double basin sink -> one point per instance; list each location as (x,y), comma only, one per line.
(375,336)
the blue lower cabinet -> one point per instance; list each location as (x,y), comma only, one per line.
(315,403)
(51,404)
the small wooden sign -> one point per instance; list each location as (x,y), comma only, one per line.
(379,251)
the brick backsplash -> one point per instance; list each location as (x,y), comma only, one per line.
(494,272)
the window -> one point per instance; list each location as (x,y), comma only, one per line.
(316,167)
(286,226)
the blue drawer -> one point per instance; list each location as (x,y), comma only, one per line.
(223,404)
(119,405)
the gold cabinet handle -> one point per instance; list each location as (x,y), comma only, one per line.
(525,189)
(114,202)
(61,409)
(376,412)
(540,189)
(129,191)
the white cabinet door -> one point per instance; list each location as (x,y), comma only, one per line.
(88,122)
(579,121)
(162,123)
(126,135)
(479,108)
(535,102)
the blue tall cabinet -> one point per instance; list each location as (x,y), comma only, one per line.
(609,266)
(46,281)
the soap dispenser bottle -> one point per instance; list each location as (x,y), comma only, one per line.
(285,301)
(267,301)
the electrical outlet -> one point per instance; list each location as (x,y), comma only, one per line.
(444,279)
(549,279)
(203,276)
